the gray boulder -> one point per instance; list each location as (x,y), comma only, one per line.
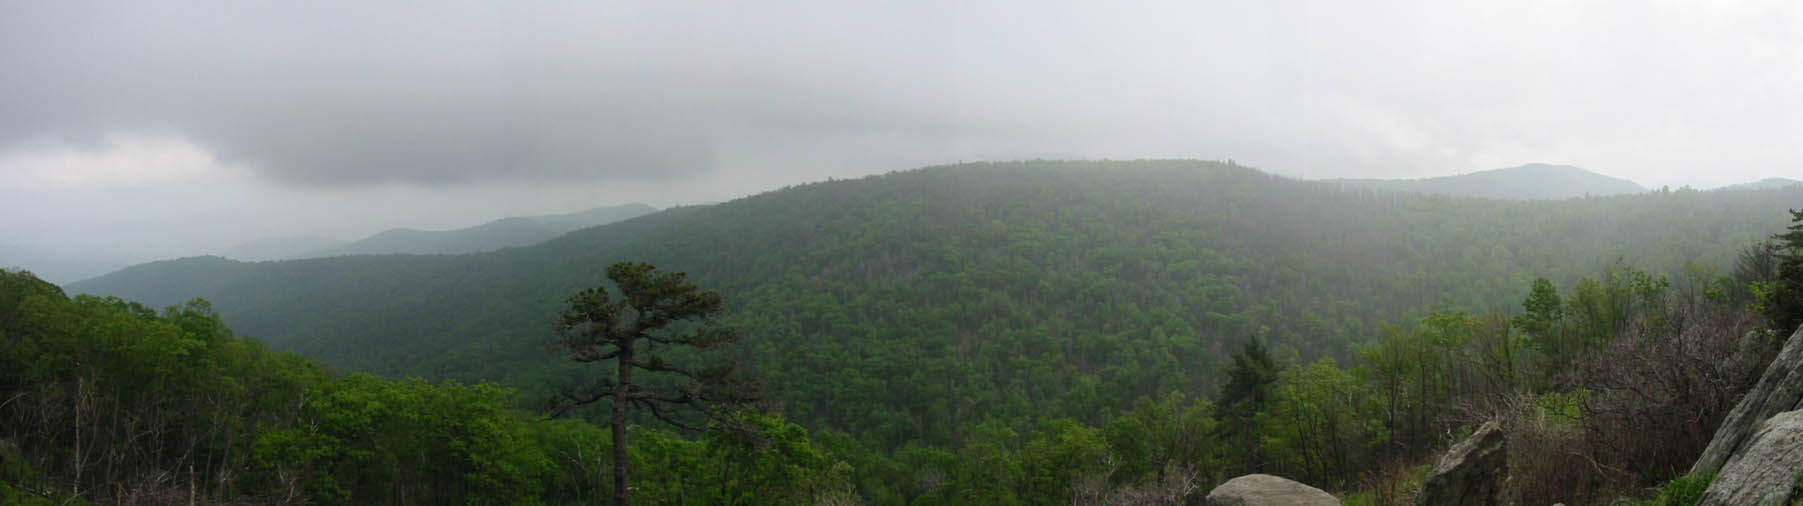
(1780,389)
(1471,472)
(1765,471)
(1267,490)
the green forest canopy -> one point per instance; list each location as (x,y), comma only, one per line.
(914,306)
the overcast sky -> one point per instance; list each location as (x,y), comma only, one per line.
(170,128)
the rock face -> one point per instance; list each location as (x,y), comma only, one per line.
(1780,389)
(1766,470)
(1471,472)
(1267,490)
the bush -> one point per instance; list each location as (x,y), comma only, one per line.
(1684,490)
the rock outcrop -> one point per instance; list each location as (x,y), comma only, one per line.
(1471,472)
(1780,389)
(1267,490)
(1766,470)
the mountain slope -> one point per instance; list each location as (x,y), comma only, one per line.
(497,234)
(280,248)
(564,223)
(907,306)
(502,233)
(1527,182)
(1767,183)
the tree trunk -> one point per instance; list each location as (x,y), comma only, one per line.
(621,391)
(79,391)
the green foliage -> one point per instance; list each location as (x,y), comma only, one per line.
(1249,380)
(974,334)
(1564,409)
(1245,398)
(1684,490)
(1173,430)
(436,443)
(22,486)
(762,459)
(302,432)
(1542,318)
(1320,423)
(1057,454)
(109,400)
(911,306)
(1781,299)
(657,314)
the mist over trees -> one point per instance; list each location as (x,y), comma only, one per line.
(1014,290)
(1023,333)
(303,253)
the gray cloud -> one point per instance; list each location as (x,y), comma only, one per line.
(444,93)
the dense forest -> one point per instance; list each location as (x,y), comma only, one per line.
(1627,372)
(109,401)
(913,306)
(1015,333)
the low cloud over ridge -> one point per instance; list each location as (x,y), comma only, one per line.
(334,94)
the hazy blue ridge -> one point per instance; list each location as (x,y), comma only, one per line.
(494,235)
(1527,182)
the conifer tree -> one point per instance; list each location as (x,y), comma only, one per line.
(655,313)
(1782,300)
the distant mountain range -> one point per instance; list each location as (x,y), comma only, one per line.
(1764,184)
(891,307)
(494,235)
(281,248)
(1535,181)
(62,265)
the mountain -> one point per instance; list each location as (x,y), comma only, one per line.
(911,306)
(498,234)
(281,248)
(1534,181)
(564,223)
(502,233)
(1767,183)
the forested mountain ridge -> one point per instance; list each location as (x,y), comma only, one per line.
(111,402)
(1535,181)
(912,305)
(1770,182)
(279,248)
(493,235)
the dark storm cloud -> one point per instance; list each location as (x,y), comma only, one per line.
(434,92)
(441,93)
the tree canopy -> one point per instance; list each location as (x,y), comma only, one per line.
(655,311)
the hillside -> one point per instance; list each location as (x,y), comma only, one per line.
(281,248)
(910,306)
(567,222)
(497,234)
(1767,183)
(1527,182)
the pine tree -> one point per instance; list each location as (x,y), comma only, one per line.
(1782,299)
(1245,395)
(656,312)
